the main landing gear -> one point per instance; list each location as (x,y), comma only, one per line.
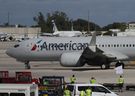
(27,65)
(105,66)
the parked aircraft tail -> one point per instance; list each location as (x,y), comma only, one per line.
(54,26)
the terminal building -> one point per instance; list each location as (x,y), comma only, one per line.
(130,30)
(21,32)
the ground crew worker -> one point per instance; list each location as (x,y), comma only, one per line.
(88,91)
(45,82)
(82,93)
(67,92)
(92,80)
(120,83)
(72,79)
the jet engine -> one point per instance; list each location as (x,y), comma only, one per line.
(71,59)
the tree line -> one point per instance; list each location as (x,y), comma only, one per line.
(63,22)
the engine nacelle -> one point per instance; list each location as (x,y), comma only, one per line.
(70,59)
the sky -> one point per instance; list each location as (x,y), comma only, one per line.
(102,12)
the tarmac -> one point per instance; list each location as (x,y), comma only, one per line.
(84,74)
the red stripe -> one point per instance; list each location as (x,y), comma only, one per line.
(34,47)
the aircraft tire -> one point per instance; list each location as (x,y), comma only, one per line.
(104,66)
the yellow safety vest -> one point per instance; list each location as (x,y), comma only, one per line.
(92,81)
(82,93)
(72,79)
(88,92)
(120,80)
(67,93)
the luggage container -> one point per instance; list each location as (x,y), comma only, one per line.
(51,86)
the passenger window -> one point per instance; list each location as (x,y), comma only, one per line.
(4,94)
(17,94)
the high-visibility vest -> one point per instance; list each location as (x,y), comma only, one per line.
(67,92)
(88,92)
(120,80)
(82,93)
(93,81)
(72,79)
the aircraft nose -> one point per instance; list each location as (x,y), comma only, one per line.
(9,52)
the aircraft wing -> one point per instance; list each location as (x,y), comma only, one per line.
(116,55)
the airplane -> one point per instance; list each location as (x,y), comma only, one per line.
(3,36)
(65,33)
(75,51)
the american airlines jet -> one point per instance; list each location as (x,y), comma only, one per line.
(65,33)
(75,51)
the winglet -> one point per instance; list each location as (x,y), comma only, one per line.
(92,44)
(54,26)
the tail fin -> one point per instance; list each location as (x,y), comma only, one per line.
(54,26)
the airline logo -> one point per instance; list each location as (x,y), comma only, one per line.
(58,46)
(35,46)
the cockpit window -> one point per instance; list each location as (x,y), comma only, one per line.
(17,45)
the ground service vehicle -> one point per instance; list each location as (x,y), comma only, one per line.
(18,90)
(51,86)
(20,77)
(97,89)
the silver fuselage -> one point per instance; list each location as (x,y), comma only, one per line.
(51,48)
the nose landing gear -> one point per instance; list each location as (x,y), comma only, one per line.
(27,65)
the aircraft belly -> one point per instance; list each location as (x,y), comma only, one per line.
(44,56)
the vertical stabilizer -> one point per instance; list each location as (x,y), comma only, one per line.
(54,26)
(92,44)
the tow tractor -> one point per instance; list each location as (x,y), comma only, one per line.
(51,86)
